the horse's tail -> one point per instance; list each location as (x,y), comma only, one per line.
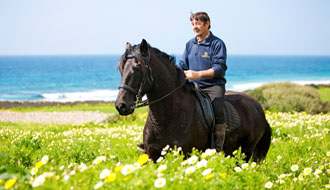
(262,147)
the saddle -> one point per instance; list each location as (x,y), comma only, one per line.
(205,111)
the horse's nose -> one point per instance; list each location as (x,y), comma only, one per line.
(123,109)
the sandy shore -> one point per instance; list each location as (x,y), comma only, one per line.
(70,117)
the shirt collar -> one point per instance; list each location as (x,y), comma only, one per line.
(206,41)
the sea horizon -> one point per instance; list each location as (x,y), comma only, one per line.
(66,78)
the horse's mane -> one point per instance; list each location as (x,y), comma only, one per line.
(134,50)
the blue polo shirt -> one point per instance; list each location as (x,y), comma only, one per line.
(210,53)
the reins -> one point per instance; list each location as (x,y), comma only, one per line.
(139,103)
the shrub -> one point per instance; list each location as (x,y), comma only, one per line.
(286,97)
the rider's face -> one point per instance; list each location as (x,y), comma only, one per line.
(200,29)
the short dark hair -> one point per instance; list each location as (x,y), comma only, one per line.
(202,16)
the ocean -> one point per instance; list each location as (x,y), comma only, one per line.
(95,77)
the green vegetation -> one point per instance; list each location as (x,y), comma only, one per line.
(105,108)
(286,97)
(105,156)
(324,93)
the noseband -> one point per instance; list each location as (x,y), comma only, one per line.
(147,81)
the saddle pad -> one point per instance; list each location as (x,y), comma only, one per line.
(231,117)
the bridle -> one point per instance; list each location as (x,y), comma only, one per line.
(146,84)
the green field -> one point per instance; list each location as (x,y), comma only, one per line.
(105,156)
(324,93)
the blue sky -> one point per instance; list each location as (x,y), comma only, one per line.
(254,27)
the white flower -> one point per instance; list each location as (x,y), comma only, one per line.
(253,164)
(245,166)
(202,163)
(99,159)
(190,170)
(44,159)
(163,152)
(269,185)
(98,185)
(127,169)
(66,178)
(160,182)
(328,154)
(48,174)
(61,168)
(159,159)
(82,167)
(192,160)
(34,171)
(210,152)
(72,173)
(307,171)
(317,172)
(166,147)
(238,169)
(162,168)
(105,173)
(294,168)
(207,171)
(38,181)
(136,166)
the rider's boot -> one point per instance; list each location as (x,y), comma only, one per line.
(219,136)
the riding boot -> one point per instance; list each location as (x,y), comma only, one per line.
(219,136)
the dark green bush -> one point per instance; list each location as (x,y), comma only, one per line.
(286,97)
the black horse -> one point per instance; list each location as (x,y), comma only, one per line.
(172,118)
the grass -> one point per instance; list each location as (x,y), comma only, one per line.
(324,93)
(105,156)
(105,108)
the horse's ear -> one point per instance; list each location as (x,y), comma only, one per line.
(128,45)
(144,47)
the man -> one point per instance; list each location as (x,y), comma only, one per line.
(204,61)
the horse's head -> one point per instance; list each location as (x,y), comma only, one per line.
(136,77)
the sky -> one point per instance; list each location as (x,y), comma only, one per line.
(85,27)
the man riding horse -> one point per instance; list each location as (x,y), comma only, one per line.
(204,62)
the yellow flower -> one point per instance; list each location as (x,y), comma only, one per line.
(112,177)
(208,176)
(1,181)
(57,177)
(235,152)
(143,159)
(118,168)
(10,183)
(39,164)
